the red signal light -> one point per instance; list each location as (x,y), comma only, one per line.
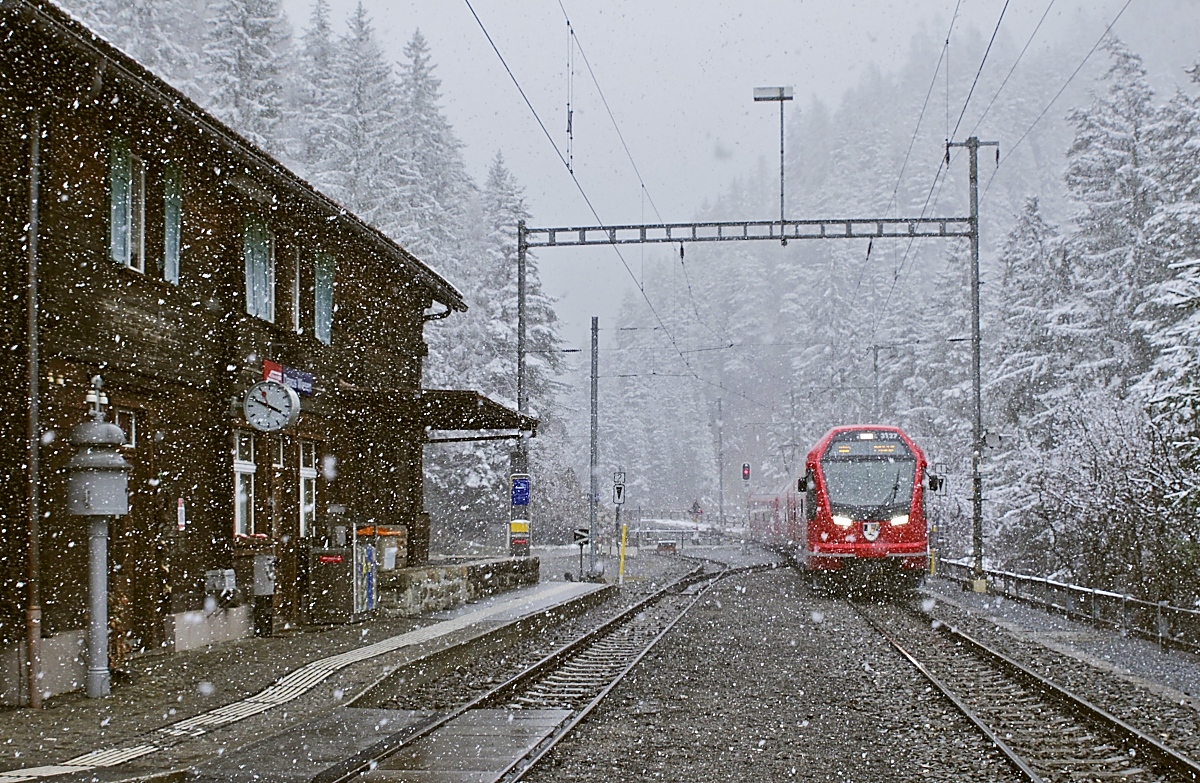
(745,471)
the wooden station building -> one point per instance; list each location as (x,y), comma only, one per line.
(181,263)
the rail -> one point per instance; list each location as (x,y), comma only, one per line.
(1170,626)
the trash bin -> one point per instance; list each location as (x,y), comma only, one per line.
(341,583)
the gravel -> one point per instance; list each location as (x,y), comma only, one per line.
(763,680)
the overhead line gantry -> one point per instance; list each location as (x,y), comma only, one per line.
(784,231)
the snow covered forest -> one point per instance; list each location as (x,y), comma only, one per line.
(1091,283)
(1091,295)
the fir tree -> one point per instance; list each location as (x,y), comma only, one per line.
(433,206)
(246,51)
(1108,173)
(361,166)
(1172,385)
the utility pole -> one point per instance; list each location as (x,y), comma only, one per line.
(522,401)
(720,464)
(595,453)
(979,581)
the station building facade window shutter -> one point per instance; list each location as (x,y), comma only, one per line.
(323,306)
(258,250)
(172,223)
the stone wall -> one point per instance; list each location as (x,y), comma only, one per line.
(412,591)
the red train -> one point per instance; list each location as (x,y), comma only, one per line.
(857,513)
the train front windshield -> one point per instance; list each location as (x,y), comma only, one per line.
(869,485)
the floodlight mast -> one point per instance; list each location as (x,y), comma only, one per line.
(778,94)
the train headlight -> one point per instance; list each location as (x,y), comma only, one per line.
(901,519)
(842,522)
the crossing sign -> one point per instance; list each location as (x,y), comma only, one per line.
(618,494)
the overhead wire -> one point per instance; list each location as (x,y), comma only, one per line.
(1016,62)
(1057,95)
(945,160)
(596,215)
(982,62)
(912,141)
(645,192)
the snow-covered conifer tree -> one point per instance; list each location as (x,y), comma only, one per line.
(359,164)
(1109,170)
(246,49)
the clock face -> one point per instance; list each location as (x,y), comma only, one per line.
(270,406)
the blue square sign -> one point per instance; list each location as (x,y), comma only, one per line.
(520,490)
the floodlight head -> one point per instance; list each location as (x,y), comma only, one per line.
(772,93)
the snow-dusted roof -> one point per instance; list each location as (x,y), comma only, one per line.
(65,27)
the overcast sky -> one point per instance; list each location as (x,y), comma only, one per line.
(679,78)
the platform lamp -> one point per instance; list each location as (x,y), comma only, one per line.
(97,488)
(778,94)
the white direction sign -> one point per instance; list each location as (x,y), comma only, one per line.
(619,477)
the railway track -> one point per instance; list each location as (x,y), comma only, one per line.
(503,733)
(1044,731)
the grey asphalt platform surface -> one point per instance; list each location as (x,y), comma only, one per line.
(229,705)
(1173,674)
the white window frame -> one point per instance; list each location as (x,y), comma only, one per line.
(244,470)
(308,486)
(126,419)
(279,452)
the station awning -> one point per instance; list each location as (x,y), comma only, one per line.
(454,410)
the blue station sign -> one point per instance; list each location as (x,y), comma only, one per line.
(520,489)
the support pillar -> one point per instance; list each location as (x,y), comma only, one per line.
(99,682)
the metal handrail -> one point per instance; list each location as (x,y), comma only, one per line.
(1168,625)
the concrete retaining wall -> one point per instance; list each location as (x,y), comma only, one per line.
(64,667)
(191,630)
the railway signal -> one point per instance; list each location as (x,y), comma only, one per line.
(745,471)
(582,539)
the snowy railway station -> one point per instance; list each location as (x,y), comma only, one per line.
(305,473)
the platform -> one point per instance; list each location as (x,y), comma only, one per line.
(320,716)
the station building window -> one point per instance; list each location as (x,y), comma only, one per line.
(258,251)
(279,452)
(127,421)
(172,224)
(308,487)
(244,470)
(128,186)
(127,207)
